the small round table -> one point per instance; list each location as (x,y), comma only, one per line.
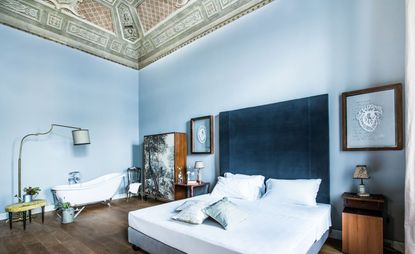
(26,207)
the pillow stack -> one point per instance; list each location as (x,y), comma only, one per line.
(191,212)
(225,212)
(246,187)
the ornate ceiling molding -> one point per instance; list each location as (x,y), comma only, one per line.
(134,33)
(70,5)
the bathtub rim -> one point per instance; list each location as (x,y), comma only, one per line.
(78,186)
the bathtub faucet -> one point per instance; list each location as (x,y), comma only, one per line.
(74,177)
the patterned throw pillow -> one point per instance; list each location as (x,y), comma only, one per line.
(226,213)
(192,214)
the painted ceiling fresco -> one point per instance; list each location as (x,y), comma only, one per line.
(134,33)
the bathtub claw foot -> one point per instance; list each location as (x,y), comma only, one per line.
(107,202)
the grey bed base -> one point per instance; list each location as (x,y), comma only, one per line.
(153,246)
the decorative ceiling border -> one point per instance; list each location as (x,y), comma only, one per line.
(45,21)
(127,44)
(232,16)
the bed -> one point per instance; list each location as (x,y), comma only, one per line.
(286,140)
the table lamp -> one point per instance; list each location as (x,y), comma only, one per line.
(199,165)
(360,172)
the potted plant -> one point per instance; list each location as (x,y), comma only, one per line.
(67,212)
(31,192)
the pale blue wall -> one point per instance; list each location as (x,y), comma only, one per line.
(288,49)
(43,82)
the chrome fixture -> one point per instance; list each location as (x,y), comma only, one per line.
(74,177)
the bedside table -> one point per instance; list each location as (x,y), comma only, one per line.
(362,222)
(183,190)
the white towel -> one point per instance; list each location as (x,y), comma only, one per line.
(134,187)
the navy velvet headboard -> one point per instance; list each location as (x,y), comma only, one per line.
(285,140)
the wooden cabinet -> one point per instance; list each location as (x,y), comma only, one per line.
(362,222)
(164,156)
(190,190)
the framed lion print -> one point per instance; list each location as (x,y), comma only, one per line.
(201,132)
(372,119)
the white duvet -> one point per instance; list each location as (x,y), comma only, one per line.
(270,228)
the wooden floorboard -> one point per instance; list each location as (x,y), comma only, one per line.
(37,248)
(98,229)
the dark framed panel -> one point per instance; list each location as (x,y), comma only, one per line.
(285,140)
(201,135)
(164,155)
(372,119)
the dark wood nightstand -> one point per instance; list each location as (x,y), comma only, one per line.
(183,190)
(362,224)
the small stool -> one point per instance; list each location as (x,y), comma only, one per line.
(26,207)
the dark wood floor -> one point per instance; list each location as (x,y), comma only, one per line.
(98,229)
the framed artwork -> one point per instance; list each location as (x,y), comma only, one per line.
(372,119)
(201,133)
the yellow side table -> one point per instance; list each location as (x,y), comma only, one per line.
(26,207)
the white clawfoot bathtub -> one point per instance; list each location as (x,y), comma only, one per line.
(97,190)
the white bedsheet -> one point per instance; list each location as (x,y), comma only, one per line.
(270,228)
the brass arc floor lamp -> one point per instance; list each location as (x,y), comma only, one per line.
(80,137)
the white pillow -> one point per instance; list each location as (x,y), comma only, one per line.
(299,192)
(236,188)
(258,179)
(193,214)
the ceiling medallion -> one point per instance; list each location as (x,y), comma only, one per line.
(69,5)
(128,26)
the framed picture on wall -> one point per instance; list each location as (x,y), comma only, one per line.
(372,119)
(201,133)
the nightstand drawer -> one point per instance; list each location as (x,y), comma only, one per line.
(373,202)
(361,204)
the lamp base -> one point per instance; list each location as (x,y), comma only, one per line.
(199,176)
(362,191)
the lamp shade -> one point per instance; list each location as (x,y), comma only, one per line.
(199,165)
(360,172)
(80,137)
